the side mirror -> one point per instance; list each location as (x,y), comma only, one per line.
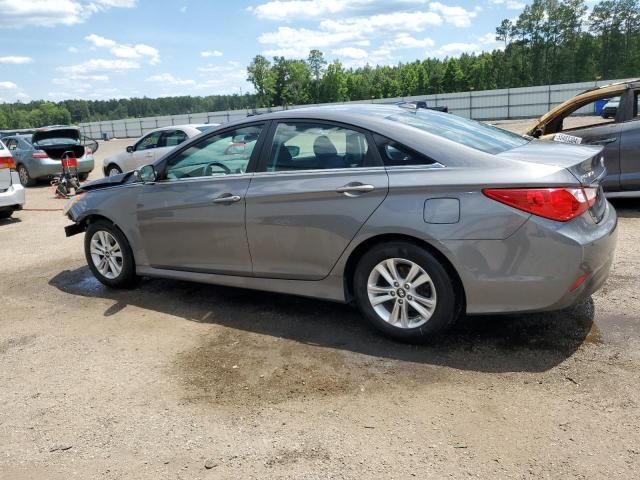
(537,133)
(146,174)
(129,149)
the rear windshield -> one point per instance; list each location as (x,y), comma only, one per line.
(204,128)
(480,136)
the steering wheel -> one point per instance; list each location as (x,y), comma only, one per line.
(208,170)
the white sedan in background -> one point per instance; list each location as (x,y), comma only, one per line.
(152,146)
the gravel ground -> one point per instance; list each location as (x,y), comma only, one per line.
(186,381)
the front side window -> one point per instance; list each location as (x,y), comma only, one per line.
(225,154)
(480,136)
(150,141)
(312,146)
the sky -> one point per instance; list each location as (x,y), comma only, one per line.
(100,49)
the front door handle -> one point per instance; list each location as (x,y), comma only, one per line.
(226,198)
(355,188)
(604,141)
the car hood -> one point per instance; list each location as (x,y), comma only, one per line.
(108,182)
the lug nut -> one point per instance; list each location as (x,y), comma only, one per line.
(396,284)
(409,297)
(407,286)
(392,293)
(400,302)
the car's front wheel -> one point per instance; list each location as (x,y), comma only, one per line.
(405,292)
(113,169)
(109,255)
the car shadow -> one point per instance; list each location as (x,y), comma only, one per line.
(527,343)
(626,207)
(10,220)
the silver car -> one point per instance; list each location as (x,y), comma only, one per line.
(415,216)
(37,155)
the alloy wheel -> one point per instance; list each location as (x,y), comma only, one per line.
(401,293)
(106,254)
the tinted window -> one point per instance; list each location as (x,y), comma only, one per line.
(173,138)
(150,141)
(460,130)
(311,146)
(223,154)
(11,144)
(395,155)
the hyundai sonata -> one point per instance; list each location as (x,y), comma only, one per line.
(414,216)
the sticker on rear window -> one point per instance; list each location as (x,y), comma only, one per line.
(564,138)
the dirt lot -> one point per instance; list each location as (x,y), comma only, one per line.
(159,381)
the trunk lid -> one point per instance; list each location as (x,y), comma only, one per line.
(55,141)
(583,161)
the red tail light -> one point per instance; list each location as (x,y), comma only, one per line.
(39,155)
(560,204)
(7,162)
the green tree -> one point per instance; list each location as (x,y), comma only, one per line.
(260,75)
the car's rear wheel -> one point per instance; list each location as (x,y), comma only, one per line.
(83,177)
(113,169)
(109,255)
(405,292)
(5,214)
(25,178)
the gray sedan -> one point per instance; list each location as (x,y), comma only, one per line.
(413,216)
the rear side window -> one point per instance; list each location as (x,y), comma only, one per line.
(173,138)
(396,155)
(318,146)
(480,136)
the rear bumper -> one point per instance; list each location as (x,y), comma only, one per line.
(13,198)
(535,269)
(52,168)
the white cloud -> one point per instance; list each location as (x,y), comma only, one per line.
(99,41)
(211,53)
(379,24)
(16,60)
(404,40)
(510,4)
(8,85)
(296,9)
(72,50)
(456,16)
(137,51)
(169,79)
(350,52)
(98,66)
(456,48)
(50,13)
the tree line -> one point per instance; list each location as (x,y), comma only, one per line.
(551,41)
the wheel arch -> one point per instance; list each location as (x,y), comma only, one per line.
(366,245)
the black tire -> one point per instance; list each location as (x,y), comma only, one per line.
(112,166)
(25,178)
(6,214)
(82,177)
(127,277)
(447,307)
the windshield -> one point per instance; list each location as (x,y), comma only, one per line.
(473,134)
(204,128)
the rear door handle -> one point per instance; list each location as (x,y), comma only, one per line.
(354,188)
(604,141)
(226,198)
